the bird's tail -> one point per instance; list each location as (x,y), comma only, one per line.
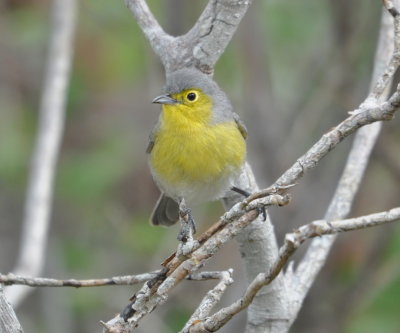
(166,211)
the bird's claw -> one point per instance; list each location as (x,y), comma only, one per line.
(261,210)
(188,226)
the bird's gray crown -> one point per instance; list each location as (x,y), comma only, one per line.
(189,78)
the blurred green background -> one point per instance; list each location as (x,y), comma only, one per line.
(292,71)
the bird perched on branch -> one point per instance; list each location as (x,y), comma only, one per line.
(197,148)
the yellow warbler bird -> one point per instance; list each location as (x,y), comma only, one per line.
(197,148)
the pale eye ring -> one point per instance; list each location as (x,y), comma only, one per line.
(191,96)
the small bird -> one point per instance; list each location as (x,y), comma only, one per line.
(197,148)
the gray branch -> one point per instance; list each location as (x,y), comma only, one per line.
(210,300)
(46,148)
(158,38)
(126,280)
(203,45)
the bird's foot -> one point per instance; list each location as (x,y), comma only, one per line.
(188,226)
(261,210)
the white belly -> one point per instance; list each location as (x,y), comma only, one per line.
(198,192)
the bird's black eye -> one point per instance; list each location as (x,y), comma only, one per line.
(191,96)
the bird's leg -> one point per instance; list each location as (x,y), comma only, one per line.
(188,227)
(246,194)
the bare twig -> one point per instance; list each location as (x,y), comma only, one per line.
(127,280)
(292,242)
(385,78)
(210,300)
(11,279)
(8,320)
(44,157)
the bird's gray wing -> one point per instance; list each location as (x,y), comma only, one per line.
(150,145)
(240,124)
(152,138)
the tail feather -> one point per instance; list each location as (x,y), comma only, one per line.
(166,211)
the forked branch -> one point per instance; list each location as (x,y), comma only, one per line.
(203,45)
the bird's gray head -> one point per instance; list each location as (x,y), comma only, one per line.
(190,78)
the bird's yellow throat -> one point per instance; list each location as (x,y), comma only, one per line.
(190,149)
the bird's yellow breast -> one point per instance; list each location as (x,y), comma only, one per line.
(188,151)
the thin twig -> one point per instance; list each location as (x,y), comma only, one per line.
(127,280)
(12,279)
(385,78)
(44,157)
(212,298)
(292,242)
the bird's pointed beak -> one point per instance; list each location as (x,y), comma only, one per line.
(164,99)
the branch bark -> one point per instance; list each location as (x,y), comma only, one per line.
(127,280)
(12,279)
(210,300)
(44,157)
(203,45)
